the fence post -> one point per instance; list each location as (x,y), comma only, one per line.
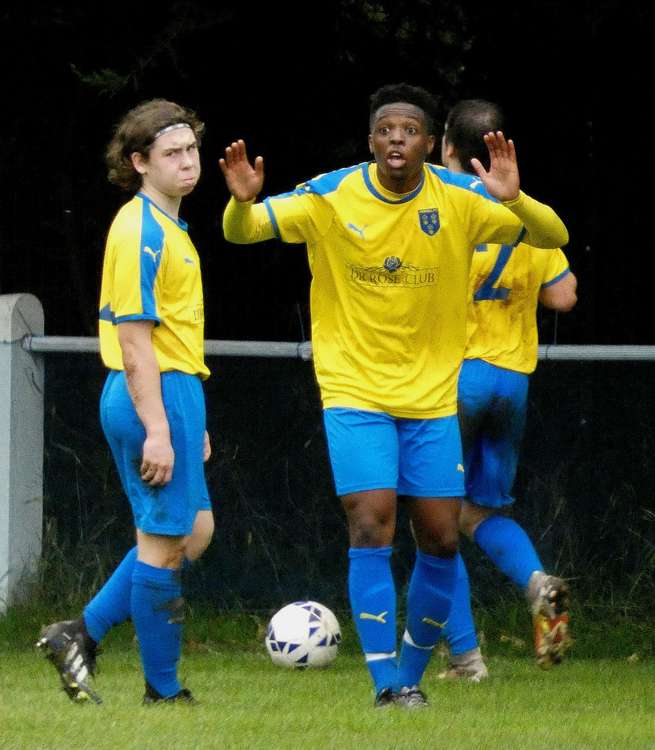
(21,445)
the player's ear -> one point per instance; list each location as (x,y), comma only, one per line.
(370,142)
(138,162)
(431,141)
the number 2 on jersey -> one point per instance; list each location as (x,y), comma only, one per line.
(487,290)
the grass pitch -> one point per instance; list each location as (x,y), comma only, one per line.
(246,702)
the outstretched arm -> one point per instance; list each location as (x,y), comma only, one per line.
(243,180)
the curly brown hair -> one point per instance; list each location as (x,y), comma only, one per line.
(135,133)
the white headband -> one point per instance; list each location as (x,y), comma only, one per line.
(171,127)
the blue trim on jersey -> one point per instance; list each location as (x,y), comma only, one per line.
(472,184)
(557,278)
(379,196)
(136,316)
(181,224)
(325,183)
(461,179)
(107,314)
(150,250)
(271,216)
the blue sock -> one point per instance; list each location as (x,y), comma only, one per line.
(111,605)
(509,547)
(373,603)
(157,614)
(460,629)
(428,607)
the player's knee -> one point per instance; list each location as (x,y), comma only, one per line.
(161,551)
(440,543)
(448,544)
(175,554)
(201,536)
(370,524)
(372,531)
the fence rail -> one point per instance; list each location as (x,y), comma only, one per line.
(303,350)
(82,344)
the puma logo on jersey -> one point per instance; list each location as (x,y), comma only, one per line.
(475,184)
(434,623)
(357,230)
(377,618)
(152,253)
(460,467)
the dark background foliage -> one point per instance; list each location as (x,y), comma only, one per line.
(585,487)
(293,80)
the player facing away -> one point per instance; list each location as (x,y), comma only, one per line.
(152,406)
(389,245)
(506,284)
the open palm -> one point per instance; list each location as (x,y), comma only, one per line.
(502,179)
(243,180)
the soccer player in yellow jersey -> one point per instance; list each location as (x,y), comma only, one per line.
(152,407)
(506,284)
(389,245)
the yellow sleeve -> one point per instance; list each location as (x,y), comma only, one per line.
(248,222)
(299,216)
(521,220)
(543,226)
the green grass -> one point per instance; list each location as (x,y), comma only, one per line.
(246,702)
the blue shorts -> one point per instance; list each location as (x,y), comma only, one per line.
(492,403)
(373,450)
(169,510)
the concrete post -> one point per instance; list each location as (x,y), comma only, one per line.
(21,445)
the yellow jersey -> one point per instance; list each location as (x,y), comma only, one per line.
(390,278)
(504,286)
(151,271)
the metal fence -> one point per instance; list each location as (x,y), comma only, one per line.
(586,481)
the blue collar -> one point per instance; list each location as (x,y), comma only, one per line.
(181,224)
(379,196)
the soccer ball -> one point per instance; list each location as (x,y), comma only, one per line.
(303,634)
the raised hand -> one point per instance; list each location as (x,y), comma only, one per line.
(243,180)
(502,179)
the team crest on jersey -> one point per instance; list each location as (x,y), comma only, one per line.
(429,220)
(392,263)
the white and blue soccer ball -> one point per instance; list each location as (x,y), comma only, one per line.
(303,634)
